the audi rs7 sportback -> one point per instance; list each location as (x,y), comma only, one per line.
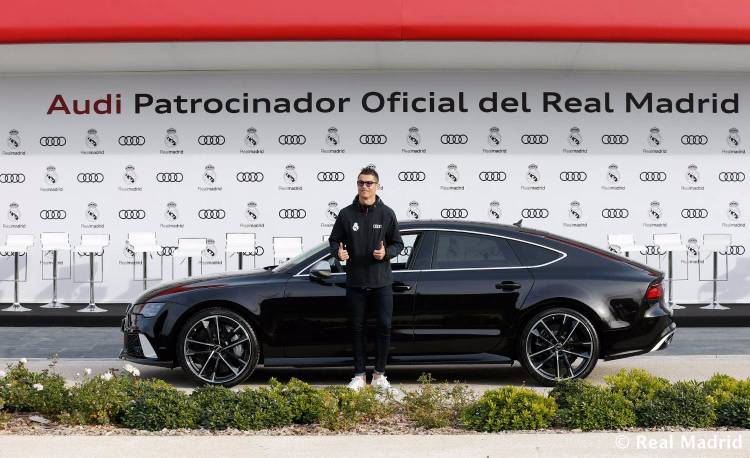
(464,292)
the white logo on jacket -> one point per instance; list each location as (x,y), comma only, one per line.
(377,226)
(355,227)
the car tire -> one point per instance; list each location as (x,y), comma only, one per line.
(225,361)
(557,344)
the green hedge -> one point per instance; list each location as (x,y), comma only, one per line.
(628,398)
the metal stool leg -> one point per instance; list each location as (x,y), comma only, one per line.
(145,284)
(669,270)
(239,255)
(16,307)
(714,305)
(190,266)
(54,304)
(92,307)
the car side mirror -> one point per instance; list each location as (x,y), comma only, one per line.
(320,271)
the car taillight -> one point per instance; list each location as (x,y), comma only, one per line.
(654,292)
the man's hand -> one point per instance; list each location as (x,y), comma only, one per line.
(343,254)
(380,252)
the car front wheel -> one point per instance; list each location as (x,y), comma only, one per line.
(217,346)
(557,344)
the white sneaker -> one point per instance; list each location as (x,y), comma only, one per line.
(381,382)
(357,383)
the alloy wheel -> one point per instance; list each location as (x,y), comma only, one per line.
(217,349)
(559,346)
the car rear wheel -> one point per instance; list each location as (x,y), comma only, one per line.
(217,346)
(558,344)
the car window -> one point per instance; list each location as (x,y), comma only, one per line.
(399,262)
(461,251)
(533,255)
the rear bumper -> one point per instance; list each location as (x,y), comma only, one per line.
(650,334)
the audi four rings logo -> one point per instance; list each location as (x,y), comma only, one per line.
(211,213)
(534,139)
(248,177)
(653,176)
(211,140)
(694,139)
(412,176)
(694,213)
(373,139)
(291,139)
(131,214)
(12,177)
(734,250)
(167,250)
(573,176)
(292,213)
(496,175)
(53,214)
(732,176)
(131,140)
(52,141)
(615,139)
(535,213)
(454,213)
(454,139)
(169,177)
(330,176)
(652,250)
(615,213)
(90,177)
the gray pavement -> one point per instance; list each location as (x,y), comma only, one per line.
(554,445)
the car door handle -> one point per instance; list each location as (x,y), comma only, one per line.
(508,286)
(401,287)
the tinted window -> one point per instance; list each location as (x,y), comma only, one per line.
(533,255)
(399,262)
(458,250)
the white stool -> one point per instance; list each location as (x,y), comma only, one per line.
(145,243)
(19,245)
(54,242)
(625,243)
(239,244)
(189,248)
(670,243)
(92,245)
(715,244)
(285,248)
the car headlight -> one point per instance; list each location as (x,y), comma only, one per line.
(148,310)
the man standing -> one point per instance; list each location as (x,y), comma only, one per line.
(366,236)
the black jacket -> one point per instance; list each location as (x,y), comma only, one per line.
(361,228)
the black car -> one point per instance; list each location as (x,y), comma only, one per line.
(464,292)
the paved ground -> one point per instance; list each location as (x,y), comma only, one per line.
(575,445)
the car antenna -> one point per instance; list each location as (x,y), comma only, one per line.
(518,223)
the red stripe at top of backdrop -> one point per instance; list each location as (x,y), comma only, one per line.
(687,21)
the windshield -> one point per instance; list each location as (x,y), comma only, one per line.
(300,257)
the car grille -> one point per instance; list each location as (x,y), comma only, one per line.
(133,346)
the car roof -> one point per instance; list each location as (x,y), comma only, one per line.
(459,224)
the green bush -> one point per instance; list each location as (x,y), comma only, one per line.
(216,407)
(436,406)
(637,385)
(158,405)
(99,401)
(309,404)
(734,411)
(261,408)
(24,391)
(356,406)
(588,407)
(509,408)
(721,388)
(682,404)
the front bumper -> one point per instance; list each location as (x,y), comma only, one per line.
(138,348)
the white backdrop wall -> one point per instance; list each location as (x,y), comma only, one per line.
(579,174)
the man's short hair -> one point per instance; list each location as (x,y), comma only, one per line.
(369,171)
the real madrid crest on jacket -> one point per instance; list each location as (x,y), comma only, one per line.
(361,228)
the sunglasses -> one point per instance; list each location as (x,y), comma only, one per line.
(368,184)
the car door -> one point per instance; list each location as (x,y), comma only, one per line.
(466,300)
(314,320)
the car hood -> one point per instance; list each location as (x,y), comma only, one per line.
(207,280)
